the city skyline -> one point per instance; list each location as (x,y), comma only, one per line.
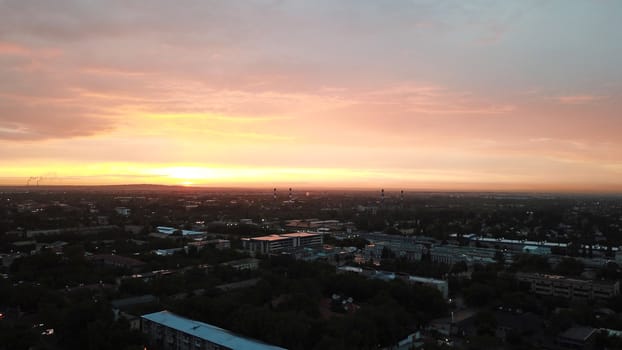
(430,95)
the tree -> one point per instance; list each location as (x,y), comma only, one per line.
(610,271)
(478,294)
(531,263)
(486,323)
(499,258)
(569,267)
(459,267)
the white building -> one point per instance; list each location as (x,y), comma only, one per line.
(536,250)
(167,331)
(441,285)
(282,243)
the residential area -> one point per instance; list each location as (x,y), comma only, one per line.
(180,268)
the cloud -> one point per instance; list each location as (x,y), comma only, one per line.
(38,115)
(400,84)
(579,99)
(7,48)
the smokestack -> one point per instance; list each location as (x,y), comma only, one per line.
(382,196)
(290,194)
(34,178)
(274,194)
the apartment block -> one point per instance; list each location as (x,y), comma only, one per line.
(167,331)
(282,243)
(570,287)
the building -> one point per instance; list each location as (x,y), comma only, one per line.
(167,331)
(122,304)
(418,247)
(306,240)
(219,244)
(116,261)
(123,211)
(407,250)
(120,308)
(167,252)
(450,254)
(243,264)
(268,244)
(576,338)
(171,230)
(441,285)
(536,250)
(82,230)
(314,225)
(282,243)
(569,287)
(515,244)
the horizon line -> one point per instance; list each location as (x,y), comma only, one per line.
(326,188)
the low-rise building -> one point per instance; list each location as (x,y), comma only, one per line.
(123,211)
(219,244)
(305,239)
(576,338)
(449,254)
(82,230)
(441,285)
(571,288)
(167,331)
(268,244)
(122,304)
(170,231)
(116,261)
(282,243)
(536,250)
(167,252)
(243,264)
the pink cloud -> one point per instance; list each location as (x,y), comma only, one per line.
(7,48)
(578,99)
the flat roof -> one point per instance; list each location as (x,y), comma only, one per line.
(350,269)
(241,261)
(170,230)
(520,242)
(578,333)
(268,238)
(143,299)
(208,332)
(300,234)
(564,278)
(426,280)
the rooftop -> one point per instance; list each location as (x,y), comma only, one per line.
(564,278)
(170,230)
(299,234)
(208,332)
(143,299)
(578,333)
(426,280)
(117,260)
(268,238)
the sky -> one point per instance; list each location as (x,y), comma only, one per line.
(431,95)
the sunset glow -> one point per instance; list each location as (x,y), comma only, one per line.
(508,95)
